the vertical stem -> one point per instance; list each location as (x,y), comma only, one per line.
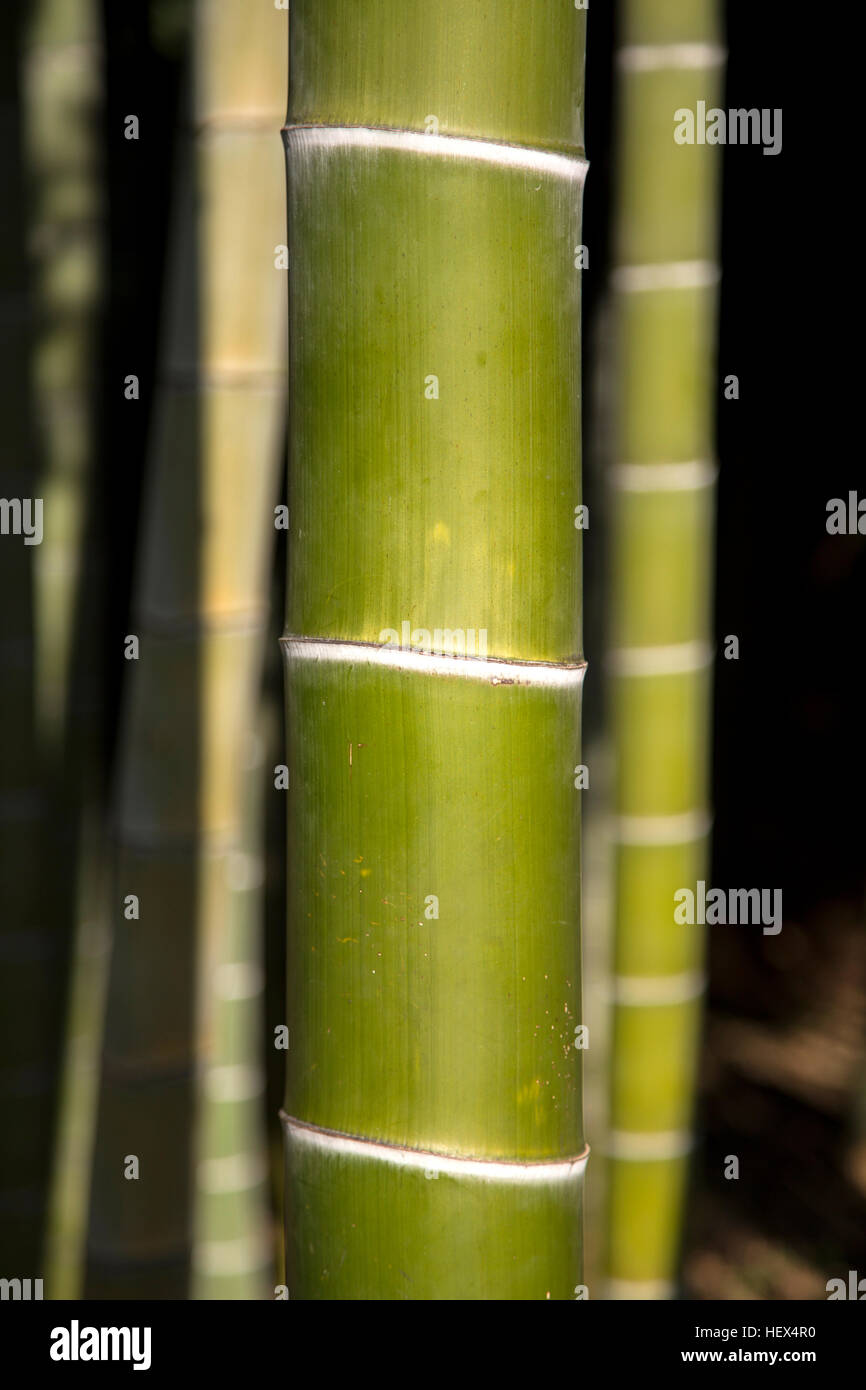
(180,1091)
(434,1144)
(62,77)
(232,1254)
(32,943)
(665,288)
(62,94)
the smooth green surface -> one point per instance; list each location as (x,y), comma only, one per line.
(367,1228)
(453,1034)
(498,70)
(667,231)
(652,1086)
(667,211)
(669,21)
(456,512)
(661,579)
(647,940)
(666,374)
(667,192)
(449,510)
(662,743)
(646,1199)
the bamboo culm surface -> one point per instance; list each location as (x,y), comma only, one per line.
(660,666)
(432,1119)
(181,1082)
(62,91)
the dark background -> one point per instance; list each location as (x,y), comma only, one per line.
(787,1024)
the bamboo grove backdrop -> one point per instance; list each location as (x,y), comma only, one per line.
(293,996)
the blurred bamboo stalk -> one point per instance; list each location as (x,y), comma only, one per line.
(32,941)
(434,1144)
(660,665)
(62,92)
(180,1091)
(231,1254)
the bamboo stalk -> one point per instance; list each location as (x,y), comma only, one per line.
(665,289)
(274,844)
(232,1254)
(62,93)
(31,944)
(178,1088)
(434,1144)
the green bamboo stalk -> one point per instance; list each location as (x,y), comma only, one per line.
(434,1144)
(665,289)
(596,906)
(274,904)
(179,1090)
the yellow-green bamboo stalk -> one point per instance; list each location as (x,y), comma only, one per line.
(596,906)
(173,1093)
(665,289)
(434,1144)
(233,1251)
(62,92)
(61,84)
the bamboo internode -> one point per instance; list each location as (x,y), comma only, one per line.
(433,1125)
(664,285)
